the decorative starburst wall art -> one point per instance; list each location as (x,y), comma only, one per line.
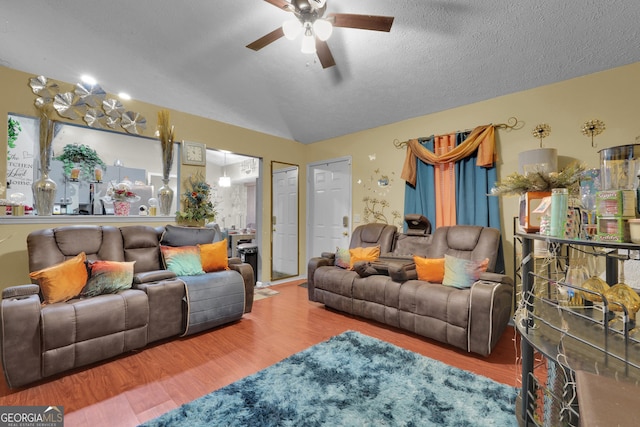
(541,131)
(593,128)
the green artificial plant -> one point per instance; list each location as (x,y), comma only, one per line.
(82,155)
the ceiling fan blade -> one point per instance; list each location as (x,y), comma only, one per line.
(281,4)
(266,39)
(324,54)
(363,22)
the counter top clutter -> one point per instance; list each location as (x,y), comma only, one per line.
(438,285)
(100,291)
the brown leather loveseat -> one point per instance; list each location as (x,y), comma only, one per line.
(388,290)
(39,340)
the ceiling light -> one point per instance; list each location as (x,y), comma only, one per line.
(88,79)
(308,41)
(291,28)
(323,29)
(224,180)
(124,96)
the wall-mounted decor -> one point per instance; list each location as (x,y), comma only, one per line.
(194,153)
(89,103)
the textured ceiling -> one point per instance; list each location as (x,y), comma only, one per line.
(191,56)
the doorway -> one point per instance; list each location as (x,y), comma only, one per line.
(328,206)
(284,220)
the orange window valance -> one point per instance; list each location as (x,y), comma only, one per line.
(481,138)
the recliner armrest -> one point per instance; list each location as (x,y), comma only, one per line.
(313,264)
(153,276)
(328,255)
(401,272)
(248,277)
(20,291)
(496,277)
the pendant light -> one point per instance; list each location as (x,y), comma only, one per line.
(224,180)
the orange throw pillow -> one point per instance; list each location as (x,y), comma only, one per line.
(214,256)
(363,254)
(63,281)
(429,269)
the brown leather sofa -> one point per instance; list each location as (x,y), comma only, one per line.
(389,292)
(38,340)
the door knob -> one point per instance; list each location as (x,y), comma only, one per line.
(344,233)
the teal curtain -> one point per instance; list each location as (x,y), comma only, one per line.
(473,204)
(473,184)
(421,199)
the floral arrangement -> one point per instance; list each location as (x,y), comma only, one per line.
(121,193)
(198,206)
(540,180)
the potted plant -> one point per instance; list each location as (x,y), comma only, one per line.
(198,207)
(81,158)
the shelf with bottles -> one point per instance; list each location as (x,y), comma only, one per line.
(573,320)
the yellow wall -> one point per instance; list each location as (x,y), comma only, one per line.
(18,98)
(612,96)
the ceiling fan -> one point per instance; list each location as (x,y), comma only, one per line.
(315,28)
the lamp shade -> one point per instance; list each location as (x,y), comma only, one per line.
(323,29)
(224,181)
(540,159)
(291,28)
(308,44)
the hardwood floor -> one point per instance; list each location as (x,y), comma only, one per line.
(140,386)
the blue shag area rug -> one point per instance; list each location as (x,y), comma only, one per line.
(353,380)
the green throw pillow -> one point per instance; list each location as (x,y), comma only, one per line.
(462,273)
(343,258)
(108,277)
(182,260)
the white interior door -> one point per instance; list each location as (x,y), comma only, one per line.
(285,223)
(329,206)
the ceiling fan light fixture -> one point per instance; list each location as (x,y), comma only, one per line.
(323,29)
(291,28)
(309,40)
(318,4)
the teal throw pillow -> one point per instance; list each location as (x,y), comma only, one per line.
(108,277)
(343,258)
(182,260)
(462,273)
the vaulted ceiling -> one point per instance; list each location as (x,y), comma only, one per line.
(191,56)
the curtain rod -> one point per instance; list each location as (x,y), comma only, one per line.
(512,123)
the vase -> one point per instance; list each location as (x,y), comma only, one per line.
(165,198)
(44,194)
(121,208)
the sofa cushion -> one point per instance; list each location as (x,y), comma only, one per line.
(184,260)
(363,254)
(343,258)
(140,244)
(462,273)
(108,277)
(430,269)
(62,281)
(175,235)
(213,256)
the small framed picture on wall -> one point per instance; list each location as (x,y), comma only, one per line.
(194,153)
